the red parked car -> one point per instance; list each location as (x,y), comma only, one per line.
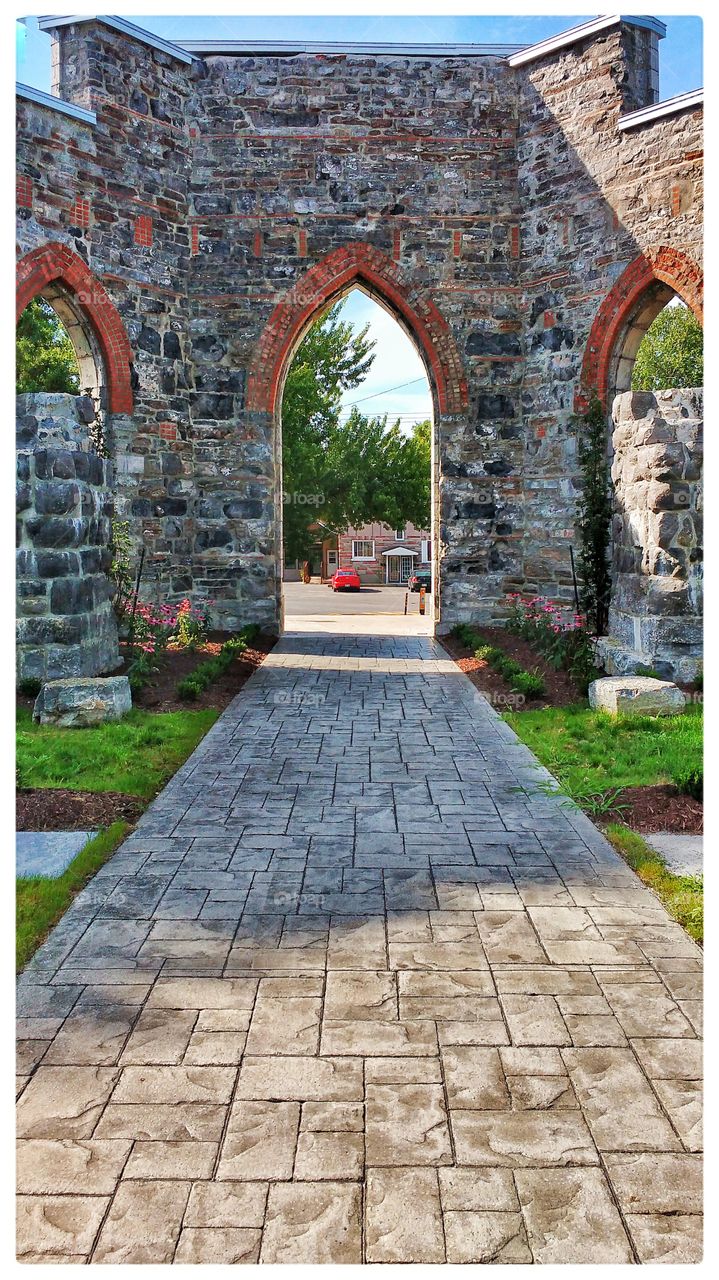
(346,580)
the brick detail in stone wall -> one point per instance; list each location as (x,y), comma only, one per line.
(80,214)
(58,262)
(167,430)
(23,191)
(330,278)
(143,230)
(667,264)
(449,145)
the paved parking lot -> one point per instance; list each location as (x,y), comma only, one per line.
(308,600)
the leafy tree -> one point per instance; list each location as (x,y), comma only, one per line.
(331,359)
(594,518)
(352,472)
(45,356)
(671,353)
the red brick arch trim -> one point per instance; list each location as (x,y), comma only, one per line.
(55,261)
(670,266)
(327,280)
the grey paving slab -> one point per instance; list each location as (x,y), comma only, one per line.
(359,978)
(47,853)
(683,854)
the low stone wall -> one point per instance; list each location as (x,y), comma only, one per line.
(65,622)
(656,612)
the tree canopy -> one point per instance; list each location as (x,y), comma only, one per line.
(45,356)
(350,472)
(671,353)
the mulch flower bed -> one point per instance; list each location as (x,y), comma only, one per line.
(161,693)
(53,809)
(560,689)
(658,808)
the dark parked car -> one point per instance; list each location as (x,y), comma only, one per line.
(422,578)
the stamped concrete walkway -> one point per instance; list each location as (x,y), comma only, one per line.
(360,987)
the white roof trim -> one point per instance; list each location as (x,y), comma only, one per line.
(400,551)
(127,29)
(565,38)
(682,102)
(57,104)
(290,48)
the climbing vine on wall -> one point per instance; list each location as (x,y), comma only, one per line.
(594,518)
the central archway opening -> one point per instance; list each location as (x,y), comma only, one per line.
(356,422)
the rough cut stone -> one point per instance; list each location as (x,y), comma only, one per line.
(636,696)
(340,156)
(655,618)
(75,704)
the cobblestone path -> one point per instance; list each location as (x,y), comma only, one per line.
(359,987)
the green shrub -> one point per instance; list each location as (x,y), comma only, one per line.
(190,687)
(530,683)
(690,782)
(141,671)
(29,688)
(651,672)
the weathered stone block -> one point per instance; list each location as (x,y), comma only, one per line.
(636,696)
(75,704)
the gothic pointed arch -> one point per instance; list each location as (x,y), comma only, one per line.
(327,280)
(55,264)
(623,318)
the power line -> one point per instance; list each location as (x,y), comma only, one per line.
(385,392)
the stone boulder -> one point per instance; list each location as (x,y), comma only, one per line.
(77,703)
(636,696)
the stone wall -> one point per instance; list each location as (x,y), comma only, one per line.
(656,612)
(65,625)
(594,199)
(501,203)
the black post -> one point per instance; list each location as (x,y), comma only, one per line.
(134,603)
(574,578)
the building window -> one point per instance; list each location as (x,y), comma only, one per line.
(362,549)
(399,535)
(426,551)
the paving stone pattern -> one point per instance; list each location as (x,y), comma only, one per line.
(47,853)
(361,988)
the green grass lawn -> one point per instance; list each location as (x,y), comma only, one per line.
(39,903)
(683,896)
(593,755)
(591,751)
(137,754)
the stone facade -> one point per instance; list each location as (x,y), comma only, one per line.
(66,625)
(656,613)
(222,200)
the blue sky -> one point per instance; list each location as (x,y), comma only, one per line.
(396,361)
(396,364)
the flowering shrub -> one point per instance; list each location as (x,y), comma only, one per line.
(560,635)
(157,626)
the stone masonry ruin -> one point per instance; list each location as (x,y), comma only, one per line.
(656,614)
(66,625)
(522,213)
